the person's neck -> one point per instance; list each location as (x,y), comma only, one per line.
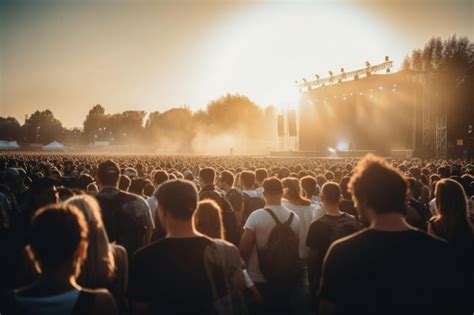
(58,281)
(276,202)
(227,188)
(102,187)
(332,209)
(390,222)
(181,229)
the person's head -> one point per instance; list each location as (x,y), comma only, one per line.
(308,183)
(208,219)
(108,173)
(226,180)
(100,263)
(283,173)
(160,177)
(83,181)
(207,176)
(292,192)
(124,182)
(58,240)
(44,191)
(377,187)
(92,189)
(11,178)
(330,194)
(64,193)
(177,201)
(451,206)
(344,187)
(444,171)
(272,190)
(247,180)
(260,175)
(148,189)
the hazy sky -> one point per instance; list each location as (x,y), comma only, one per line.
(152,55)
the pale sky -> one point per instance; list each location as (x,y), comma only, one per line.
(69,55)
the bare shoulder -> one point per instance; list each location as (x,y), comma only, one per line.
(104,302)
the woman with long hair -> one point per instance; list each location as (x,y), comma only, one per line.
(452,224)
(208,219)
(451,220)
(58,247)
(106,265)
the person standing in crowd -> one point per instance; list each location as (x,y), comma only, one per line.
(452,224)
(277,295)
(391,267)
(310,189)
(347,204)
(106,265)
(58,246)
(260,175)
(171,276)
(207,177)
(232,194)
(127,217)
(333,225)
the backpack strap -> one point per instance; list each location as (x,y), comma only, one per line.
(84,303)
(269,211)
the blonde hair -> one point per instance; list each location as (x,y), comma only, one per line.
(208,219)
(99,267)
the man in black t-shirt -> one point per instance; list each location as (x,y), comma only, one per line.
(334,224)
(169,276)
(391,267)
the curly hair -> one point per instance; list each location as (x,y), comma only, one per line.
(378,185)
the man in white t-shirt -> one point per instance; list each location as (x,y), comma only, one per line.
(257,231)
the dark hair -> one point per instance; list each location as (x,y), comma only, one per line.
(178,197)
(148,190)
(451,208)
(247,178)
(208,219)
(308,183)
(293,193)
(108,173)
(379,185)
(261,174)
(272,186)
(228,178)
(331,192)
(207,175)
(160,177)
(56,233)
(124,182)
(344,187)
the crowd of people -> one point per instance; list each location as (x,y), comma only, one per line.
(83,234)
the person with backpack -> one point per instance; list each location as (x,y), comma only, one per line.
(207,177)
(127,217)
(333,225)
(186,272)
(269,246)
(252,200)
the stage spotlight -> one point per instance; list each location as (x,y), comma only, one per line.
(332,150)
(371,96)
(393,90)
(342,145)
(394,85)
(367,64)
(380,88)
(360,93)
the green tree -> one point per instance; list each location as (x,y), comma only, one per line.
(42,127)
(9,129)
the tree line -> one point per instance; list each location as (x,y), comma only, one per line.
(231,113)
